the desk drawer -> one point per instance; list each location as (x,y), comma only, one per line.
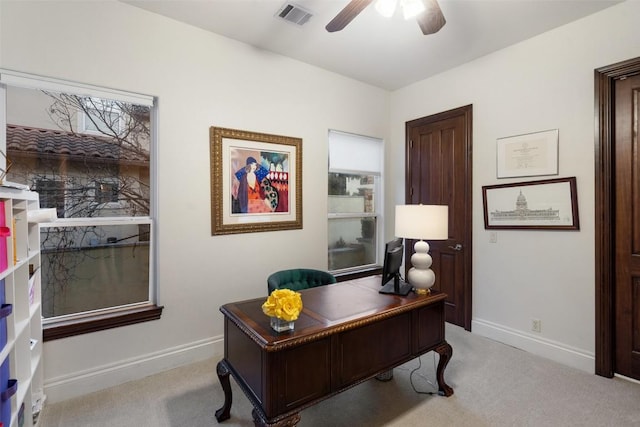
(301,374)
(367,350)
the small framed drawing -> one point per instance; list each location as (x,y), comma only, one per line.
(550,204)
(256,181)
(532,154)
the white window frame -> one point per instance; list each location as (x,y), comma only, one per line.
(106,221)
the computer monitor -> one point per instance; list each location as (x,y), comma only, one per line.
(391,281)
(392,244)
(387,271)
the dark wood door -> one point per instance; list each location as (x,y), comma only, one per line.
(627,227)
(438,161)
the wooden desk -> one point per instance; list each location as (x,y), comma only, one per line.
(346,334)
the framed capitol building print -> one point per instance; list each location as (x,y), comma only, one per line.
(256,181)
(550,204)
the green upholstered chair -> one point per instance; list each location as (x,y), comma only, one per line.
(298,279)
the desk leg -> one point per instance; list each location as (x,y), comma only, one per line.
(223,375)
(445,351)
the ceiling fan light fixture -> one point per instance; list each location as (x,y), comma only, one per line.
(430,22)
(386,8)
(412,8)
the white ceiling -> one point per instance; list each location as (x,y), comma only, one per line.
(388,53)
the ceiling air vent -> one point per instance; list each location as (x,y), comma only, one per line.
(293,13)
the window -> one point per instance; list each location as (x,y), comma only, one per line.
(106,192)
(89,153)
(355,201)
(100,116)
(88,268)
(51,193)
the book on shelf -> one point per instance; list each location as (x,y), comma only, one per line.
(5,232)
(13,240)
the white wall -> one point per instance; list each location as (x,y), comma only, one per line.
(544,83)
(201,80)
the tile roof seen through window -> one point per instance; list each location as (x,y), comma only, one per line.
(31,141)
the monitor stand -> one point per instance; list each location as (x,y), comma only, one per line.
(396,287)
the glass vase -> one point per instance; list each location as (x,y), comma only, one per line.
(280,325)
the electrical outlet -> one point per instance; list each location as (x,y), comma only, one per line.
(536,325)
(493,237)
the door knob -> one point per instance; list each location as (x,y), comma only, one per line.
(457,247)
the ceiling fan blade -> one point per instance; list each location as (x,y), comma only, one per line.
(347,14)
(432,19)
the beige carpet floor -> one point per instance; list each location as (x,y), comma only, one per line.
(494,385)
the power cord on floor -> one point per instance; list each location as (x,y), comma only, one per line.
(413,371)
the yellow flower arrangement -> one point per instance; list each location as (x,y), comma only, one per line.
(284,304)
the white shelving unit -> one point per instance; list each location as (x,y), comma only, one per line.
(23,347)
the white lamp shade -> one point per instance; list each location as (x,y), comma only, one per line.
(427,222)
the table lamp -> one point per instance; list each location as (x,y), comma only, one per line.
(422,222)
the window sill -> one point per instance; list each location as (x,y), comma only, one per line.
(358,274)
(100,322)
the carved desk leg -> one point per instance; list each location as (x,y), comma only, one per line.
(445,351)
(223,375)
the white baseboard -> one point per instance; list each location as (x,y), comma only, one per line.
(101,377)
(89,381)
(559,352)
(631,380)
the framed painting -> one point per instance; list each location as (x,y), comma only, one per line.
(550,204)
(256,181)
(532,154)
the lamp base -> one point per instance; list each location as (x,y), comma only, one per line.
(420,275)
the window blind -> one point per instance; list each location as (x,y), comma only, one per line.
(31,81)
(349,152)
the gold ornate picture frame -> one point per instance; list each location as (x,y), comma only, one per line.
(256,181)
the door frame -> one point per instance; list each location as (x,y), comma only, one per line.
(467,113)
(605,209)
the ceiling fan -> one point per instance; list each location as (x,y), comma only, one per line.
(427,13)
